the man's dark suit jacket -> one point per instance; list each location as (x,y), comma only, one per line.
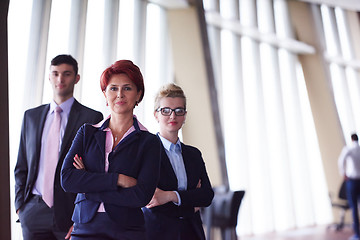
(26,169)
(164,222)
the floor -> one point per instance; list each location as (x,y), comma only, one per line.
(312,233)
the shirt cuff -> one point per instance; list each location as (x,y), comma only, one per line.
(178,196)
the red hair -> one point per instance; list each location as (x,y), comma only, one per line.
(126,67)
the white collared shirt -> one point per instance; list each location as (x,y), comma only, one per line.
(349,161)
(174,153)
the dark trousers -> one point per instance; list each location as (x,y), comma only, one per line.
(353,195)
(186,231)
(37,221)
(101,227)
(162,227)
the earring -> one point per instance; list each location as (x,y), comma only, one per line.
(136,103)
(107,103)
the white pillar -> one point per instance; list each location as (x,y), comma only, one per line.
(351,80)
(338,73)
(259,181)
(77,37)
(352,22)
(36,61)
(111,22)
(139,32)
(276,135)
(214,34)
(232,110)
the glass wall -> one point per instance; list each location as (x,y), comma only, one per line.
(271,145)
(96,33)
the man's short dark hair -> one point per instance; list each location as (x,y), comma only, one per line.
(67,59)
(354,137)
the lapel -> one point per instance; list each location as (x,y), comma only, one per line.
(39,130)
(100,138)
(134,136)
(72,125)
(167,170)
(189,165)
(186,156)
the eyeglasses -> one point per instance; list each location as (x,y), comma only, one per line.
(166,111)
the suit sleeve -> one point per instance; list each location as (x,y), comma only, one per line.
(97,117)
(142,192)
(198,197)
(102,187)
(21,169)
(80,181)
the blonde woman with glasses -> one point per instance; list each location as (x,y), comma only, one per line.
(184,186)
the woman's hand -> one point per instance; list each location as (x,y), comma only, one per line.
(68,235)
(161,197)
(126,181)
(78,163)
(197,186)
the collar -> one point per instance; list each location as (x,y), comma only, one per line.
(169,145)
(65,106)
(104,124)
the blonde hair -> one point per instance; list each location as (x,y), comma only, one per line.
(169,90)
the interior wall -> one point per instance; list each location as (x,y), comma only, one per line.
(5,228)
(190,74)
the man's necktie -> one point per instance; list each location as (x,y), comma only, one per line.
(51,158)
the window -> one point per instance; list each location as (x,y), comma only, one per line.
(96,34)
(270,140)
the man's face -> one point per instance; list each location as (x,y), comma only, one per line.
(63,80)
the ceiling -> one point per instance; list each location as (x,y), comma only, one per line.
(353,5)
(171,4)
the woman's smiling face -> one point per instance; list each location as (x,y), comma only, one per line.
(171,123)
(121,94)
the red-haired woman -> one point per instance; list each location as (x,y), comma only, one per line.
(114,165)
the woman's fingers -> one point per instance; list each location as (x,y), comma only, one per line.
(78,163)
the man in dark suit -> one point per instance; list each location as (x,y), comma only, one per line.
(40,218)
